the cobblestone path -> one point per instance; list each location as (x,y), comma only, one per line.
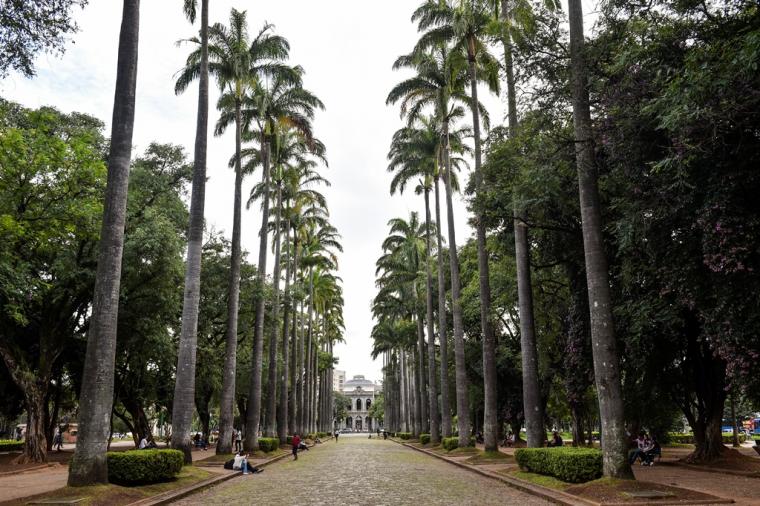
(362,471)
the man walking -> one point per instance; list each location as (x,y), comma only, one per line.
(337,433)
(296,442)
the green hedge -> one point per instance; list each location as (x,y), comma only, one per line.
(11,445)
(689,438)
(573,465)
(424,438)
(269,444)
(451,443)
(144,466)
(404,435)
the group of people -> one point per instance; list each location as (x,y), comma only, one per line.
(647,448)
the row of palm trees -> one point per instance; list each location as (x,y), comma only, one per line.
(452,60)
(263,97)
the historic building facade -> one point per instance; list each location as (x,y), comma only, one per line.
(361,392)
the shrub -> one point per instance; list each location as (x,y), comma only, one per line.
(689,438)
(573,465)
(144,466)
(404,435)
(269,444)
(11,445)
(424,438)
(450,443)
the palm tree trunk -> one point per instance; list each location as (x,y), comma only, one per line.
(418,389)
(463,404)
(89,464)
(271,429)
(490,421)
(253,414)
(233,303)
(432,390)
(283,413)
(442,334)
(421,379)
(294,374)
(532,405)
(402,392)
(300,372)
(606,365)
(306,412)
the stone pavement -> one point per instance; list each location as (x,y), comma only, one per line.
(362,471)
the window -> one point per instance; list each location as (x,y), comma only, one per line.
(369,403)
(358,404)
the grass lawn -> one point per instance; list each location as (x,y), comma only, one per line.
(115,495)
(490,458)
(538,479)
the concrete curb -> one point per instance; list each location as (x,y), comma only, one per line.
(173,495)
(556,496)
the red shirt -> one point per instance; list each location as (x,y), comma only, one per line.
(296,441)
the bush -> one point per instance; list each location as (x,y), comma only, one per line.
(269,444)
(450,443)
(404,435)
(424,438)
(11,445)
(689,438)
(144,466)
(573,465)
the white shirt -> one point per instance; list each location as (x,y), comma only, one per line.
(143,443)
(238,464)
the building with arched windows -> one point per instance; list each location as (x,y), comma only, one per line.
(361,392)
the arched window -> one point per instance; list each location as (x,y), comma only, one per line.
(369,403)
(358,404)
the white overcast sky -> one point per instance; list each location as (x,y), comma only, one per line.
(347,48)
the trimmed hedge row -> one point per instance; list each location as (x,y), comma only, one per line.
(404,435)
(137,467)
(573,465)
(269,444)
(689,438)
(451,443)
(424,438)
(11,445)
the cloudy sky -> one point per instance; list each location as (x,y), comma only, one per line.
(347,48)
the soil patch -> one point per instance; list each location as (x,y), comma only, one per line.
(490,458)
(731,460)
(612,490)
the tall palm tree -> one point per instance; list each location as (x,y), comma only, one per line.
(465,27)
(197,67)
(89,464)
(275,105)
(606,362)
(440,79)
(533,407)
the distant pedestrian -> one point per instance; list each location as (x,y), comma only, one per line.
(58,440)
(337,433)
(296,442)
(238,440)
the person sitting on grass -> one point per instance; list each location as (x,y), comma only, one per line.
(241,462)
(556,440)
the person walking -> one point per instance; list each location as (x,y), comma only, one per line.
(58,440)
(296,442)
(337,433)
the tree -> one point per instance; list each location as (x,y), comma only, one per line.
(465,28)
(89,464)
(52,178)
(606,362)
(197,65)
(30,26)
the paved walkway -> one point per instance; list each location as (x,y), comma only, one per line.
(362,471)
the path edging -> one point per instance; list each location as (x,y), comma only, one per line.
(556,496)
(173,495)
(716,470)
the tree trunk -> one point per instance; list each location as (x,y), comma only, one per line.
(273,384)
(306,411)
(432,390)
(294,378)
(606,365)
(490,423)
(89,464)
(419,391)
(253,416)
(442,334)
(226,413)
(283,414)
(300,372)
(734,428)
(463,403)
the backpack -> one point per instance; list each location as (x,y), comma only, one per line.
(229,464)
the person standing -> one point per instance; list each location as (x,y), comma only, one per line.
(296,442)
(238,440)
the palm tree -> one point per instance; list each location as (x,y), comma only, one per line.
(465,26)
(606,362)
(276,105)
(89,464)
(197,66)
(533,407)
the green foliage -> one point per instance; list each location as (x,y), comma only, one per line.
(341,405)
(728,438)
(424,438)
(377,409)
(573,465)
(404,435)
(269,444)
(11,445)
(450,443)
(143,466)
